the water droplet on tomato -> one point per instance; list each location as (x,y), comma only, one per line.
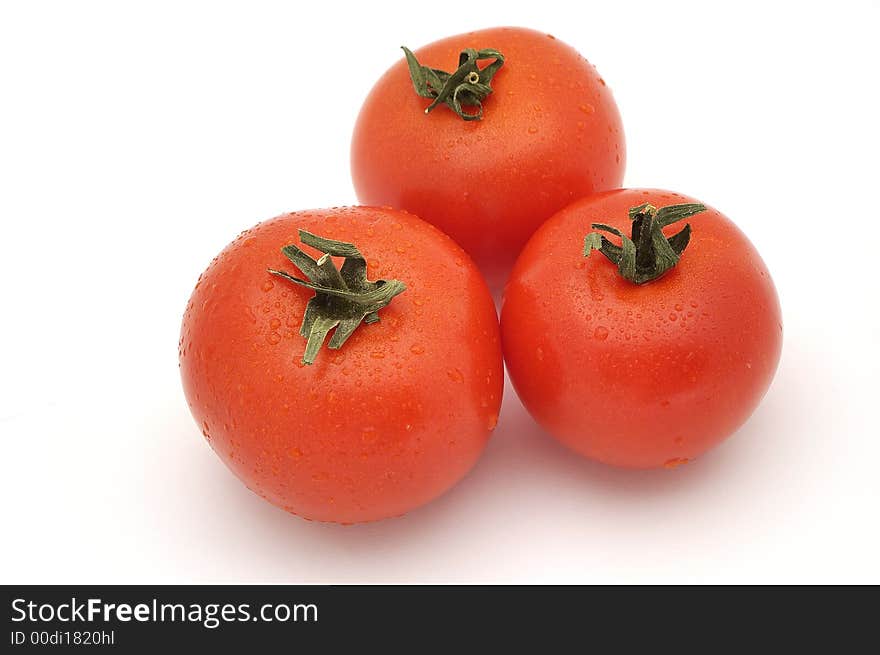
(600,333)
(268,285)
(533,129)
(675,462)
(416,349)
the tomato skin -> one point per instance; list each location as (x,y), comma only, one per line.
(640,376)
(550,133)
(372,430)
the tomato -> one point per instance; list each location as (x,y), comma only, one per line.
(550,133)
(649,374)
(371,429)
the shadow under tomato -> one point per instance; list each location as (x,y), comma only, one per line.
(523,472)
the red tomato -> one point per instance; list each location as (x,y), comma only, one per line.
(373,429)
(640,375)
(550,133)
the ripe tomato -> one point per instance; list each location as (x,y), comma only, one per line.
(550,133)
(375,428)
(640,375)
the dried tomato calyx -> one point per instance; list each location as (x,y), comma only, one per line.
(343,299)
(468,86)
(649,253)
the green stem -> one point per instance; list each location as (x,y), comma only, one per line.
(343,299)
(649,253)
(467,86)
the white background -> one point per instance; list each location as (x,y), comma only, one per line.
(137,139)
